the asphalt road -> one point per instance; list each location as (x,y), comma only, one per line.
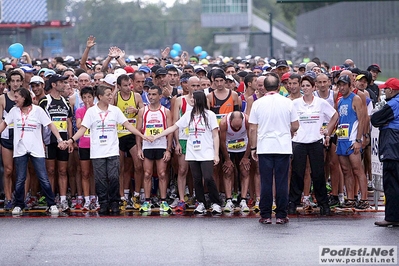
(133,239)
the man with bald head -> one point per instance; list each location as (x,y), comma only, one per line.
(181,105)
(234,130)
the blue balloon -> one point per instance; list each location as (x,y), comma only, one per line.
(16,50)
(1,65)
(197,49)
(174,53)
(203,55)
(176,47)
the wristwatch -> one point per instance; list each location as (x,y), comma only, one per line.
(60,140)
(358,140)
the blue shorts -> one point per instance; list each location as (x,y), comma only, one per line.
(344,148)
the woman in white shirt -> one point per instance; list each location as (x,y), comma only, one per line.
(102,120)
(202,149)
(28,120)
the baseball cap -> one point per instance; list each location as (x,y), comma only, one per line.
(345,79)
(310,66)
(273,62)
(336,68)
(110,79)
(374,67)
(49,72)
(392,83)
(27,68)
(148,83)
(160,71)
(310,74)
(36,79)
(129,69)
(285,76)
(302,65)
(57,77)
(359,77)
(242,74)
(199,69)
(119,72)
(145,69)
(281,63)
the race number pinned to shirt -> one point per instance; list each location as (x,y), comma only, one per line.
(197,145)
(342,131)
(122,129)
(236,144)
(60,123)
(87,133)
(153,129)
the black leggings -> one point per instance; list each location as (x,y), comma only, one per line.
(204,170)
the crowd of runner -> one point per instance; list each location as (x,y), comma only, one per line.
(159,170)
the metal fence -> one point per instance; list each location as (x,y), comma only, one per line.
(366,32)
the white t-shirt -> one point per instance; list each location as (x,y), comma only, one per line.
(273,113)
(311,119)
(28,130)
(200,141)
(104,140)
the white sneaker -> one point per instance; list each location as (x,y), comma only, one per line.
(86,206)
(174,203)
(16,211)
(229,206)
(54,210)
(200,208)
(243,205)
(64,206)
(307,205)
(216,209)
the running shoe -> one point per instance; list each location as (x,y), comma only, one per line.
(136,202)
(256,206)
(265,221)
(222,197)
(243,205)
(79,204)
(174,203)
(190,202)
(115,207)
(341,198)
(251,202)
(42,201)
(200,209)
(74,201)
(181,206)
(145,207)
(307,206)
(94,204)
(216,209)
(363,205)
(312,203)
(164,207)
(17,211)
(328,187)
(229,207)
(7,205)
(349,204)
(129,204)
(53,210)
(334,201)
(86,206)
(155,201)
(64,206)
(30,202)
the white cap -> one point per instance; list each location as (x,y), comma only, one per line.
(119,72)
(36,79)
(110,79)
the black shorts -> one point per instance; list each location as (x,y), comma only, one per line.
(54,153)
(154,154)
(84,154)
(127,142)
(236,157)
(7,143)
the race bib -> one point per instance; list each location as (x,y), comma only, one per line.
(60,123)
(122,129)
(152,130)
(187,131)
(342,131)
(87,133)
(236,144)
